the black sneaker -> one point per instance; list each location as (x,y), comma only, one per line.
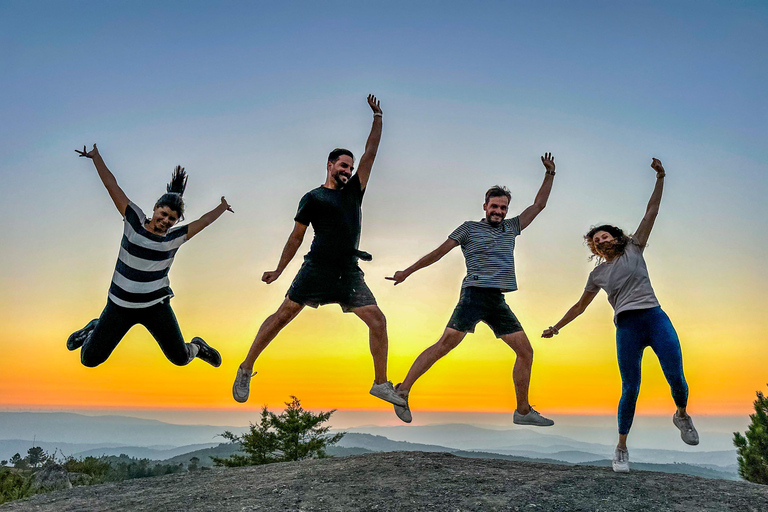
(77,338)
(207,353)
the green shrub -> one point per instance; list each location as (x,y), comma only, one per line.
(753,445)
(294,434)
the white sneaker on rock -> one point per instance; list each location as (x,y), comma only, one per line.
(386,391)
(532,418)
(621,461)
(242,386)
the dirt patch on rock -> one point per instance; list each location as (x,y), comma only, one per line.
(409,481)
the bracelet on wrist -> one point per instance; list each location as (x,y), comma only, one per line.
(378,114)
(550,173)
(660,174)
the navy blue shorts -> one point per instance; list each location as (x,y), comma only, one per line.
(317,284)
(484,305)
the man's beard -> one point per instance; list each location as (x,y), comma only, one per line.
(490,219)
(339,182)
(609,249)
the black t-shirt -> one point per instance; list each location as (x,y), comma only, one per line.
(336,217)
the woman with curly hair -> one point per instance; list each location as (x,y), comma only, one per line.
(140,292)
(640,321)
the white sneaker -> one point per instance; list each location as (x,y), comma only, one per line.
(386,392)
(532,418)
(404,413)
(621,461)
(242,386)
(687,430)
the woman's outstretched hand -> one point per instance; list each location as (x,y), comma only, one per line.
(656,166)
(88,154)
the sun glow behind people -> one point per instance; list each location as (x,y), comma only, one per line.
(251,101)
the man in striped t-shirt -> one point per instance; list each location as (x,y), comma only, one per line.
(140,292)
(488,246)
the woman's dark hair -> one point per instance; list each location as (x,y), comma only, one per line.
(621,240)
(175,189)
(336,153)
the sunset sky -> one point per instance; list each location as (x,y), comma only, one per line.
(250,98)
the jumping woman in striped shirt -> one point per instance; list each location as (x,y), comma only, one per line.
(640,321)
(140,292)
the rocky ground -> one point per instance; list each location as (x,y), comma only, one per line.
(408,481)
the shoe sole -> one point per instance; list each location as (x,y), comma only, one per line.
(620,470)
(532,424)
(401,403)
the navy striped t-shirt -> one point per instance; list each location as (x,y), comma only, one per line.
(141,274)
(489,253)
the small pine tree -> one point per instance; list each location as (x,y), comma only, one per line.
(294,434)
(753,445)
(36,456)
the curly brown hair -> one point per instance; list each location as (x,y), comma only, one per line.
(619,245)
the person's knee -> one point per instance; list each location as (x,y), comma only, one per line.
(525,352)
(284,315)
(90,360)
(630,390)
(180,359)
(447,343)
(377,321)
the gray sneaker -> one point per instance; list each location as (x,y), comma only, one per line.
(532,418)
(687,430)
(621,461)
(77,338)
(242,385)
(404,413)
(386,392)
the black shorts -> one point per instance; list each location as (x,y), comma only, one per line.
(317,284)
(484,305)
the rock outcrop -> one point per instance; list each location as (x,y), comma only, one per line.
(408,481)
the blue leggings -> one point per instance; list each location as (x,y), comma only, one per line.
(635,330)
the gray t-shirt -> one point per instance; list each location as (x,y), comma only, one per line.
(625,281)
(489,253)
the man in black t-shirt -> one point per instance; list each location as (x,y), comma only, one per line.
(330,274)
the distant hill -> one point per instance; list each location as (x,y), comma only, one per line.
(106,430)
(408,481)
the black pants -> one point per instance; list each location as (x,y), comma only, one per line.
(115,321)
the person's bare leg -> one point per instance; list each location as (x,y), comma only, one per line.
(377,339)
(622,444)
(521,373)
(447,342)
(269,329)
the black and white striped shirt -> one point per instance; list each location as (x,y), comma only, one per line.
(141,274)
(489,253)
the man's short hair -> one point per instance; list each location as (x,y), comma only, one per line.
(498,191)
(336,153)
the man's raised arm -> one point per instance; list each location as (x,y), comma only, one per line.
(425,261)
(542,196)
(289,251)
(372,144)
